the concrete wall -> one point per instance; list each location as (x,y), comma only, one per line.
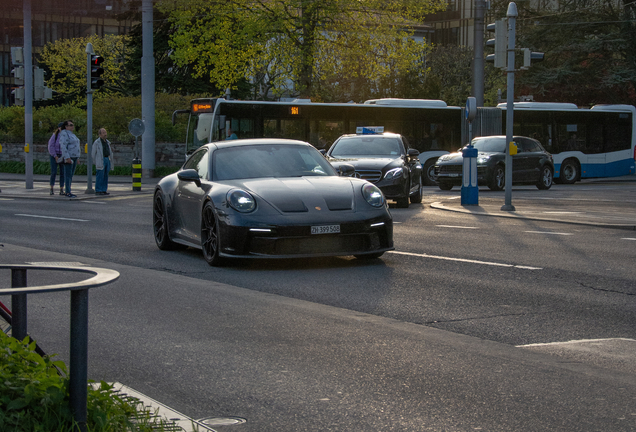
(166,154)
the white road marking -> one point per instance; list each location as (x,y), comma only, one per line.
(51,217)
(453,226)
(627,238)
(575,342)
(467,260)
(547,232)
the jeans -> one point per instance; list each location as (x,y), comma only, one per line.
(69,170)
(101,180)
(54,166)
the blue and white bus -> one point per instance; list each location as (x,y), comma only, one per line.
(585,143)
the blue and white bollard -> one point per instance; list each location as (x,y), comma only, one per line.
(470,191)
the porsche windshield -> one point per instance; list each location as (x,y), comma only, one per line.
(490,145)
(270,160)
(368,146)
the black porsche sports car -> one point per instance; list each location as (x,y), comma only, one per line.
(385,160)
(269,198)
(531,165)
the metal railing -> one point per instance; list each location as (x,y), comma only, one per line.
(78,367)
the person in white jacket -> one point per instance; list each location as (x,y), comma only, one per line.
(70,147)
(102,155)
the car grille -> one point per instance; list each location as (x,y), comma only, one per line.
(316,245)
(373,176)
(448,169)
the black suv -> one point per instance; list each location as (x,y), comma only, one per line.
(531,165)
(384,159)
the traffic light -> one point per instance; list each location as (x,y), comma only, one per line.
(529,57)
(500,43)
(17,60)
(96,71)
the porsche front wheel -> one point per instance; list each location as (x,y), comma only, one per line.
(210,243)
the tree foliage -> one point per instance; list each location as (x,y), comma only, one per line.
(288,46)
(590,51)
(65,64)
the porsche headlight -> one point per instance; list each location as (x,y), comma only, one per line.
(393,174)
(373,195)
(444,158)
(241,201)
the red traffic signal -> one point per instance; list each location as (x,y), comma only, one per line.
(96,71)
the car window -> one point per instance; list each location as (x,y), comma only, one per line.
(490,144)
(199,162)
(372,146)
(271,160)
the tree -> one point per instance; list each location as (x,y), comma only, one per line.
(169,76)
(590,49)
(287,46)
(64,62)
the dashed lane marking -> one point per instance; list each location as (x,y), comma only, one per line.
(453,226)
(467,260)
(51,217)
(547,232)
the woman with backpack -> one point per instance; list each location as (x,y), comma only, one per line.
(55,153)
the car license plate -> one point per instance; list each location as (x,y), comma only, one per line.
(325,229)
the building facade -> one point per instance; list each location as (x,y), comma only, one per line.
(52,20)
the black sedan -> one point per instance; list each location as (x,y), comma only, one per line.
(531,165)
(383,159)
(269,198)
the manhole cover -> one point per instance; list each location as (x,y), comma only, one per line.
(222,421)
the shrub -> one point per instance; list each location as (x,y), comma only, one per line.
(34,396)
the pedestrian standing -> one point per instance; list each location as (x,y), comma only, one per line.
(70,146)
(102,156)
(55,156)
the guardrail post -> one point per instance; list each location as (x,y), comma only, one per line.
(79,356)
(19,304)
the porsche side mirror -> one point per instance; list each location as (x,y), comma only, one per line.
(190,175)
(346,170)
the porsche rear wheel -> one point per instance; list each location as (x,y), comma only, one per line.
(210,235)
(160,223)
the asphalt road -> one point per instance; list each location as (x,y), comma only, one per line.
(423,339)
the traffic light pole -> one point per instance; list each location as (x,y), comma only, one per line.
(89,121)
(510,103)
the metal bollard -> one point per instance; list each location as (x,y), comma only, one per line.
(136,174)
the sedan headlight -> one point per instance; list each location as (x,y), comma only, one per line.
(393,174)
(241,201)
(481,160)
(373,195)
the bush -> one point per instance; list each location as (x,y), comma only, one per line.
(34,396)
(45,168)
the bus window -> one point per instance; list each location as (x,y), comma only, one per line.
(198,131)
(322,133)
(284,128)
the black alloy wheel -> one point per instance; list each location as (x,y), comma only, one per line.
(545,181)
(210,235)
(498,179)
(160,223)
(404,201)
(416,198)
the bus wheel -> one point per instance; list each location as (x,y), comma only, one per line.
(428,173)
(569,171)
(545,182)
(445,186)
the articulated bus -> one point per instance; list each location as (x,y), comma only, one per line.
(596,142)
(430,126)
(585,143)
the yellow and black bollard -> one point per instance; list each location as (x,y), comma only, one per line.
(136,174)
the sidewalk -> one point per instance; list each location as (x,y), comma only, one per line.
(563,204)
(14,186)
